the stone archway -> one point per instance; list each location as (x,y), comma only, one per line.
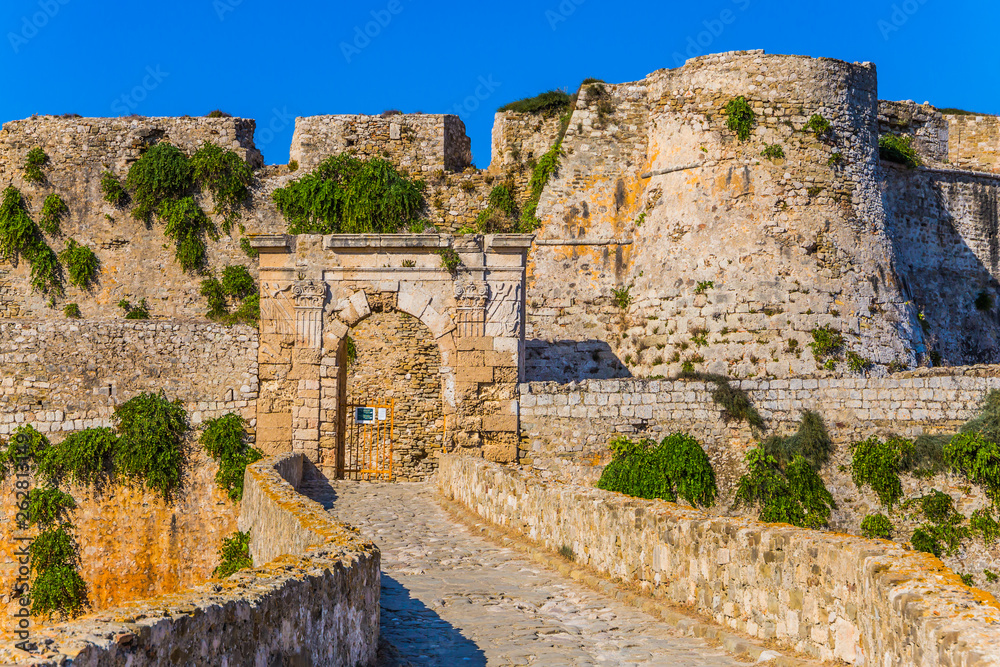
(397,361)
(315,288)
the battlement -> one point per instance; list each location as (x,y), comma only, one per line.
(416,142)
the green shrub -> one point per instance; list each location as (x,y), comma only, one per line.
(450,260)
(622,296)
(547,167)
(218,113)
(704,286)
(858,364)
(225,440)
(49,507)
(33,163)
(151,437)
(57,586)
(53,211)
(249,311)
(826,342)
(227,176)
(877,464)
(548,103)
(46,271)
(893,148)
(84,457)
(988,421)
(248,249)
(163,173)
(113,191)
(983,523)
(19,235)
(348,195)
(978,458)
(811,441)
(765,488)
(72,311)
(567,552)
(734,402)
(25,447)
(350,350)
(500,215)
(740,117)
(188,226)
(773,152)
(677,466)
(877,526)
(808,489)
(818,125)
(937,506)
(139,311)
(237,282)
(924,540)
(234,555)
(81,264)
(218,307)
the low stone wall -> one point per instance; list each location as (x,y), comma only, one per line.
(566,428)
(315,603)
(836,597)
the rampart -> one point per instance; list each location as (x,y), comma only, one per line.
(316,602)
(835,597)
(417,142)
(684,243)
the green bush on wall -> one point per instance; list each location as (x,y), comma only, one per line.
(81,263)
(234,555)
(33,163)
(83,457)
(740,117)
(678,466)
(151,438)
(345,195)
(53,211)
(225,440)
(227,177)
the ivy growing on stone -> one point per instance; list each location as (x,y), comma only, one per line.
(54,209)
(545,169)
(151,438)
(237,285)
(83,457)
(500,214)
(818,125)
(227,177)
(21,237)
(234,555)
(138,311)
(81,264)
(162,174)
(943,532)
(33,163)
(877,526)
(226,441)
(893,148)
(188,226)
(551,102)
(740,117)
(54,554)
(677,467)
(113,191)
(795,495)
(345,195)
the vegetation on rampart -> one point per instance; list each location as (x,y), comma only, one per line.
(676,467)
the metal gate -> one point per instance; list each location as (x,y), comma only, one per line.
(368,441)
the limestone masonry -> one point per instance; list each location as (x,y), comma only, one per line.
(502,364)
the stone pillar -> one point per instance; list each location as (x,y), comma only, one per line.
(309,296)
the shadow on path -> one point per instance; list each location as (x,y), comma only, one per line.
(419,634)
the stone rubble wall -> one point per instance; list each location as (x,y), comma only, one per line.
(925,124)
(61,377)
(835,597)
(419,143)
(780,246)
(974,142)
(136,261)
(945,231)
(316,602)
(519,137)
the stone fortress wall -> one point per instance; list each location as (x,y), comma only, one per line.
(62,377)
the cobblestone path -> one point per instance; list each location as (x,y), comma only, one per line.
(452,598)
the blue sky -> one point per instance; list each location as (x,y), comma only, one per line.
(274,61)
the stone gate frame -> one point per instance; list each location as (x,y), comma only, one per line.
(314,288)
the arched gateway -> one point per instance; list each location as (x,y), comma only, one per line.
(315,289)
